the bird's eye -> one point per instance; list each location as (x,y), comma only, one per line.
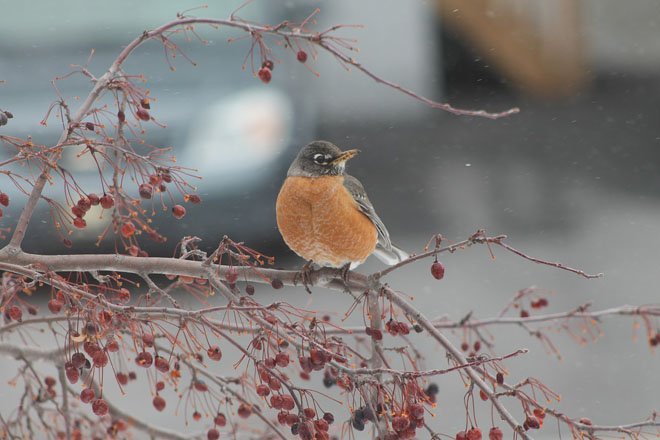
(321,159)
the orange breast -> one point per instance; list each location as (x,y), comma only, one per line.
(320,221)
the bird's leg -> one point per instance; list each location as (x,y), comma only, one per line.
(305,275)
(344,272)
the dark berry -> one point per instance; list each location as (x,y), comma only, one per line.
(438,270)
(265,75)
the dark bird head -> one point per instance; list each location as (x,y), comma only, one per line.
(320,158)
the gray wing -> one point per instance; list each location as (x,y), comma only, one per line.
(356,189)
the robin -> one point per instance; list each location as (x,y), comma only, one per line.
(324,214)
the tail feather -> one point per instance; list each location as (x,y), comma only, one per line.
(390,256)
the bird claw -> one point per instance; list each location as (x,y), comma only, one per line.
(344,273)
(305,276)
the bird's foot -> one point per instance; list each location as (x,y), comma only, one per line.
(305,276)
(344,273)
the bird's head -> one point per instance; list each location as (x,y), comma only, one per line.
(320,158)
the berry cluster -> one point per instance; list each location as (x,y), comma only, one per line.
(85,203)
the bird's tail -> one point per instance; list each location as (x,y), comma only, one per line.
(390,256)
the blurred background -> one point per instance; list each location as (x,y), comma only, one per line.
(575,177)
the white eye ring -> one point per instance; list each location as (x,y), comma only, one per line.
(320,159)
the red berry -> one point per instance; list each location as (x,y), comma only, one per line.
(437,270)
(539,412)
(84,204)
(416,410)
(55,306)
(77,211)
(107,201)
(306,430)
(90,347)
(282,359)
(291,419)
(214,353)
(212,434)
(100,407)
(161,364)
(143,114)
(329,417)
(309,413)
(200,386)
(146,190)
(160,385)
(127,229)
(220,420)
(79,223)
(461,436)
(277,283)
(249,289)
(50,381)
(400,423)
(78,360)
(4,199)
(178,211)
(287,402)
(495,433)
(274,384)
(155,179)
(159,403)
(72,374)
(276,401)
(403,328)
(192,198)
(524,314)
(500,378)
(532,422)
(93,199)
(122,378)
(112,346)
(321,425)
(474,434)
(87,395)
(144,359)
(263,390)
(100,359)
(301,56)
(148,339)
(265,75)
(121,116)
(244,410)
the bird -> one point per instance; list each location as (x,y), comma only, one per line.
(325,216)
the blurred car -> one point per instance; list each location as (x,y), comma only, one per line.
(238,133)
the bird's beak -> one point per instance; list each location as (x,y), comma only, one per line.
(343,157)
